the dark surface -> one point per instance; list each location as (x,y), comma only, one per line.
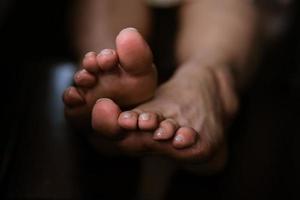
(42,159)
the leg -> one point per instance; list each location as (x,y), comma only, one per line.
(198,102)
(96,23)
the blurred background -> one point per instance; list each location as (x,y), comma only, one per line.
(41,158)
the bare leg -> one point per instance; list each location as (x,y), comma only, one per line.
(96,23)
(190,112)
(123,71)
(195,106)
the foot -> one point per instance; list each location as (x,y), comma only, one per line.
(165,129)
(185,120)
(125,75)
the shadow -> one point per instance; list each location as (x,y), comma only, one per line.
(41,158)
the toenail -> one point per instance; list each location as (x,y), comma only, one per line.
(69,91)
(178,138)
(159,132)
(127,115)
(91,53)
(103,99)
(129,29)
(106,52)
(145,116)
(78,75)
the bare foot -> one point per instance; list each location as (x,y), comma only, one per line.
(125,75)
(187,116)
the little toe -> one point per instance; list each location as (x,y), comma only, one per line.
(89,62)
(166,130)
(84,78)
(134,53)
(105,118)
(72,97)
(148,121)
(185,137)
(128,120)
(107,60)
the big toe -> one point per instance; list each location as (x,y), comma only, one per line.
(105,118)
(134,53)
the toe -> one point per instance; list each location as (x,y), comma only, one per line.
(105,118)
(72,97)
(166,130)
(128,120)
(134,53)
(89,62)
(185,137)
(84,78)
(107,60)
(148,121)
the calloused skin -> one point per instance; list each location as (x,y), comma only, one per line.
(126,76)
(153,126)
(187,116)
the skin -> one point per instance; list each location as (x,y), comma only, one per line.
(190,129)
(128,80)
(184,119)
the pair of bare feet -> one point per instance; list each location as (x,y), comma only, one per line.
(116,91)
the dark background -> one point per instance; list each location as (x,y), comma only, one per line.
(40,158)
